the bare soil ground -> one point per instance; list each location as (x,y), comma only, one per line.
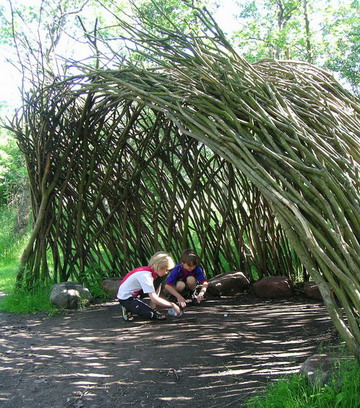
(217,354)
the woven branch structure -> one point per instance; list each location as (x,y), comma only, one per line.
(255,166)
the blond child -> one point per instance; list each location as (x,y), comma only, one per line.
(146,281)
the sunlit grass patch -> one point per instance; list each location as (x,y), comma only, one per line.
(7,236)
(343,391)
(21,301)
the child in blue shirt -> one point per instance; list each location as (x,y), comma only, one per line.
(187,274)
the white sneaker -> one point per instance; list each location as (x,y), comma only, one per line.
(127,316)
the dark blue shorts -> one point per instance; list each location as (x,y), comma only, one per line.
(137,306)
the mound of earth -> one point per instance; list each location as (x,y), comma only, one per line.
(217,354)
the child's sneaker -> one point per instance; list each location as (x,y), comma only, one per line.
(158,316)
(194,300)
(127,316)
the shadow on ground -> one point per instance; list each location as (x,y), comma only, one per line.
(217,354)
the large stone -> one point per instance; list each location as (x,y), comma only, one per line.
(317,369)
(70,295)
(111,286)
(230,283)
(273,287)
(312,291)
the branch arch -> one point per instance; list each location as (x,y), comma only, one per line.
(253,165)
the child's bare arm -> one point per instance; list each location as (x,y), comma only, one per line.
(200,296)
(174,292)
(157,300)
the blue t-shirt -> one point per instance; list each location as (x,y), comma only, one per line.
(180,273)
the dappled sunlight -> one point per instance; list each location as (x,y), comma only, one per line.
(221,349)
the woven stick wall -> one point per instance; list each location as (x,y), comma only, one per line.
(204,151)
(125,182)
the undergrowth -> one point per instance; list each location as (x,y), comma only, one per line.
(342,391)
(8,240)
(21,301)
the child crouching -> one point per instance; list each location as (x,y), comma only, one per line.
(187,274)
(146,281)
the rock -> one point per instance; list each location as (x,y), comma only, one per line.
(317,369)
(229,283)
(312,291)
(70,295)
(273,287)
(111,286)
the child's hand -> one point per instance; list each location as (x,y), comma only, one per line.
(176,308)
(181,301)
(200,297)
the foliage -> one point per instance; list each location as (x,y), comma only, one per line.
(43,35)
(342,35)
(269,29)
(8,271)
(342,391)
(13,174)
(39,33)
(7,237)
(169,14)
(326,34)
(11,247)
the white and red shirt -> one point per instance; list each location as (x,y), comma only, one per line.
(136,281)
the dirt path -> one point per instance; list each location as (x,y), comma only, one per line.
(215,355)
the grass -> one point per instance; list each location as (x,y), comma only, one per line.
(16,300)
(7,238)
(342,391)
(9,263)
(37,300)
(21,302)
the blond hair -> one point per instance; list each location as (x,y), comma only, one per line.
(161,260)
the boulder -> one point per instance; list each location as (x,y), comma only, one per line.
(111,286)
(312,291)
(230,283)
(273,287)
(317,369)
(70,295)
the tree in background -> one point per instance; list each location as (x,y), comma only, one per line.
(326,34)
(341,43)
(272,29)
